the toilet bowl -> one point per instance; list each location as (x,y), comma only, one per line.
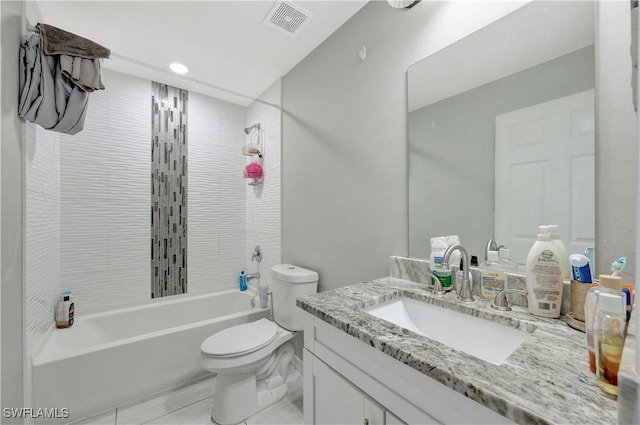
(252,359)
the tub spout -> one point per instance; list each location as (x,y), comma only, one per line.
(255,275)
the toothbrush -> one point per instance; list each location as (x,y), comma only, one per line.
(618,265)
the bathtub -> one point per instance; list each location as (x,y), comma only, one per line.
(108,359)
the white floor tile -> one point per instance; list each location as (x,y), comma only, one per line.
(106,418)
(192,405)
(166,403)
(198,413)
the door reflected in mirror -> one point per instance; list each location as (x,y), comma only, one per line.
(501,133)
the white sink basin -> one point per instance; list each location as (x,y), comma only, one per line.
(480,338)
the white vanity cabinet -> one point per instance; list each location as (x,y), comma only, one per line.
(337,401)
(349,382)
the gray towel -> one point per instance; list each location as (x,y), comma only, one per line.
(46,97)
(61,42)
(86,73)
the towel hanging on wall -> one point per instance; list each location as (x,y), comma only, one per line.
(54,88)
(80,58)
(61,42)
(46,98)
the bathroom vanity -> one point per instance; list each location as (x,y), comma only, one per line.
(361,369)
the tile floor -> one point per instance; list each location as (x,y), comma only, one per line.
(191,405)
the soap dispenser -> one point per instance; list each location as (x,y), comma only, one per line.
(493,276)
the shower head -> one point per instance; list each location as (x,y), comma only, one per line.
(249,130)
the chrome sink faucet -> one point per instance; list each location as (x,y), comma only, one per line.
(501,303)
(436,288)
(466,292)
(492,245)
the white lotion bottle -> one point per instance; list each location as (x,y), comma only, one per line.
(544,278)
(563,255)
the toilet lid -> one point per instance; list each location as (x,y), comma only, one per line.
(240,339)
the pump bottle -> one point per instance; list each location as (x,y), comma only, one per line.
(544,278)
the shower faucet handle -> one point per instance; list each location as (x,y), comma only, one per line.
(256,254)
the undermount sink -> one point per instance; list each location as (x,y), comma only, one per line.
(480,338)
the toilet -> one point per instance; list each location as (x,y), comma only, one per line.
(252,359)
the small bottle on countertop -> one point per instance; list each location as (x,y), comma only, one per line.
(65,311)
(439,246)
(610,326)
(610,285)
(493,276)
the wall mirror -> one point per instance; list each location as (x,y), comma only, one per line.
(501,133)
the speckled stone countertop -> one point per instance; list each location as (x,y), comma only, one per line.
(546,380)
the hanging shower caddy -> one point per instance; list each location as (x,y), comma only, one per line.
(254,168)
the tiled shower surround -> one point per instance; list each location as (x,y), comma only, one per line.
(168,190)
(89,198)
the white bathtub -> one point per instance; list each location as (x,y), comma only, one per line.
(108,359)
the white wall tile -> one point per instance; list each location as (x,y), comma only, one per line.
(42,232)
(105,199)
(263,202)
(98,245)
(216,210)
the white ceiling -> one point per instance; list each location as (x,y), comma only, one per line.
(230,53)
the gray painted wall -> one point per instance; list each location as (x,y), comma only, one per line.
(344,192)
(458,154)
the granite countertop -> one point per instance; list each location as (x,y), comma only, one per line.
(546,380)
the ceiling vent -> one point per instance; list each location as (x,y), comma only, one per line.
(287,18)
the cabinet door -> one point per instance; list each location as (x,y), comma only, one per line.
(335,401)
(373,412)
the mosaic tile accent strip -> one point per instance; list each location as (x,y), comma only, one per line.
(168,190)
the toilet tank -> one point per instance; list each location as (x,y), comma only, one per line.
(289,282)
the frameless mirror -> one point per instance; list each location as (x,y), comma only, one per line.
(501,133)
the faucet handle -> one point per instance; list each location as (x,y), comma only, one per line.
(501,303)
(437,287)
(256,254)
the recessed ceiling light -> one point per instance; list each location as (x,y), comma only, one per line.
(402,4)
(178,68)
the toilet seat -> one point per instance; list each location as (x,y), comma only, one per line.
(240,339)
(249,361)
